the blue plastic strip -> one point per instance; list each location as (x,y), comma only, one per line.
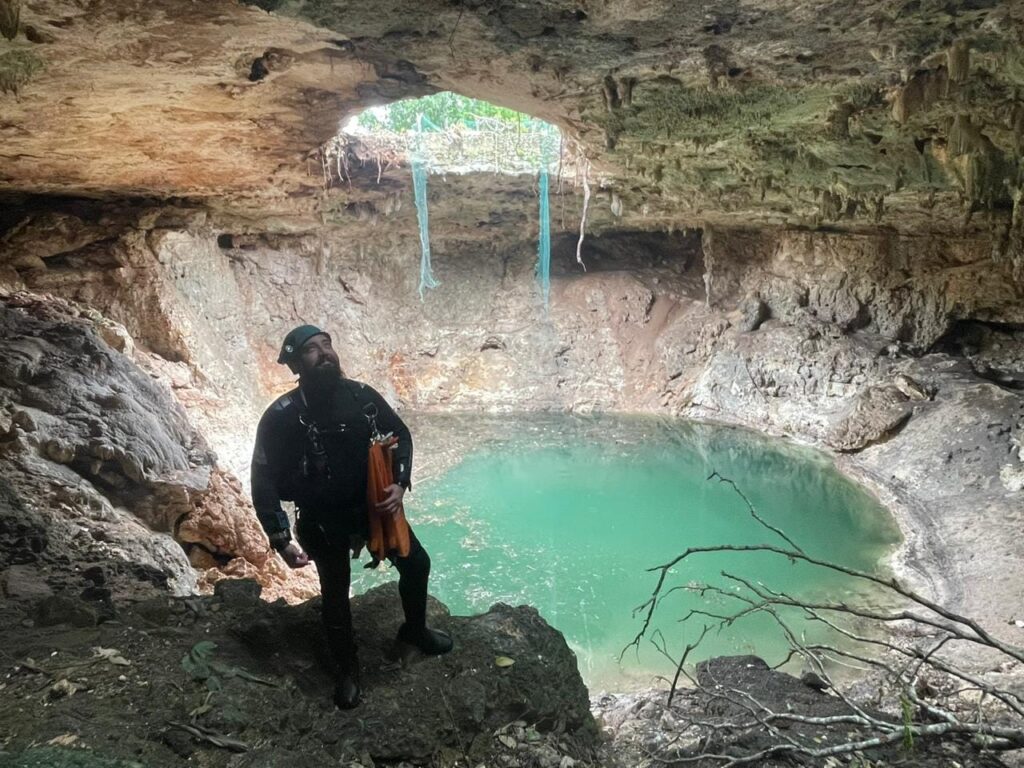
(544,239)
(419,185)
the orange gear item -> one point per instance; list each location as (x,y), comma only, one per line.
(389,534)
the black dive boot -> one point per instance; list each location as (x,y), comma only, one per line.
(346,686)
(346,659)
(432,642)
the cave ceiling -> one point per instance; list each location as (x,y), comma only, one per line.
(850,115)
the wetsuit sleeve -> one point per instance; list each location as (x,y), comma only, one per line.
(388,421)
(266,497)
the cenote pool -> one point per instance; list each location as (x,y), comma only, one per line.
(568,513)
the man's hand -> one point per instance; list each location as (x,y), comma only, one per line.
(392,500)
(294,556)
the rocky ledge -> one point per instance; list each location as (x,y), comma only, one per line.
(231,680)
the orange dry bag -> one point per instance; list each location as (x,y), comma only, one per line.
(389,534)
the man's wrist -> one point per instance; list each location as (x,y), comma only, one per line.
(279,540)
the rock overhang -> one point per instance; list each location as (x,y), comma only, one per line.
(864,116)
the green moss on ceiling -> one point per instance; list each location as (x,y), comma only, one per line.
(17,68)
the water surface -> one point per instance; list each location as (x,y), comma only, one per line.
(569,513)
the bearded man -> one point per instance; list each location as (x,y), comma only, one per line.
(312,448)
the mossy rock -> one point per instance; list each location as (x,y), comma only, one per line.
(17,67)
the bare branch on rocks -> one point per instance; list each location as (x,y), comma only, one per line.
(733,712)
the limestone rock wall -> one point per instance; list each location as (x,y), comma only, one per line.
(636,328)
(148,270)
(103,469)
(905,288)
(793,113)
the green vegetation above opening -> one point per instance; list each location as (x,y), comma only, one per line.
(449,132)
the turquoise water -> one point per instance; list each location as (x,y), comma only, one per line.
(568,513)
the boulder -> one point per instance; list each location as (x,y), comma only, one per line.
(104,466)
(63,609)
(238,592)
(874,414)
(739,676)
(23,582)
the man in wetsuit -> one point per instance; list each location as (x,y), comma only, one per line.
(312,448)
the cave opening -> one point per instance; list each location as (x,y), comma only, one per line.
(449,133)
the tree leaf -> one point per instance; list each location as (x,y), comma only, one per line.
(112,655)
(196,661)
(507,740)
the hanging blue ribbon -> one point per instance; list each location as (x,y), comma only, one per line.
(544,239)
(419,185)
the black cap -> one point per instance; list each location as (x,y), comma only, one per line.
(294,340)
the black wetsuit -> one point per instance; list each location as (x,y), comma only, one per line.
(315,454)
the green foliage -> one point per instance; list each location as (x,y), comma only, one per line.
(447,131)
(908,720)
(198,662)
(200,665)
(446,110)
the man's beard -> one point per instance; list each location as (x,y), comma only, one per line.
(322,378)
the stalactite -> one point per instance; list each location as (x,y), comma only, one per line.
(707,247)
(1016,125)
(981,166)
(616,205)
(920,93)
(10,13)
(958,61)
(626,90)
(610,91)
(831,205)
(838,118)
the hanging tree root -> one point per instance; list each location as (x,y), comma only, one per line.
(737,711)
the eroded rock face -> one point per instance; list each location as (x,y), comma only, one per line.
(102,466)
(908,289)
(797,327)
(147,77)
(87,434)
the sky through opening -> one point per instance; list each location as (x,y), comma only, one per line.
(448,132)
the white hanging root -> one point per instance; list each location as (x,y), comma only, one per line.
(325,168)
(583,217)
(561,196)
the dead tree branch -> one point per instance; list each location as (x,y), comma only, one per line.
(910,650)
